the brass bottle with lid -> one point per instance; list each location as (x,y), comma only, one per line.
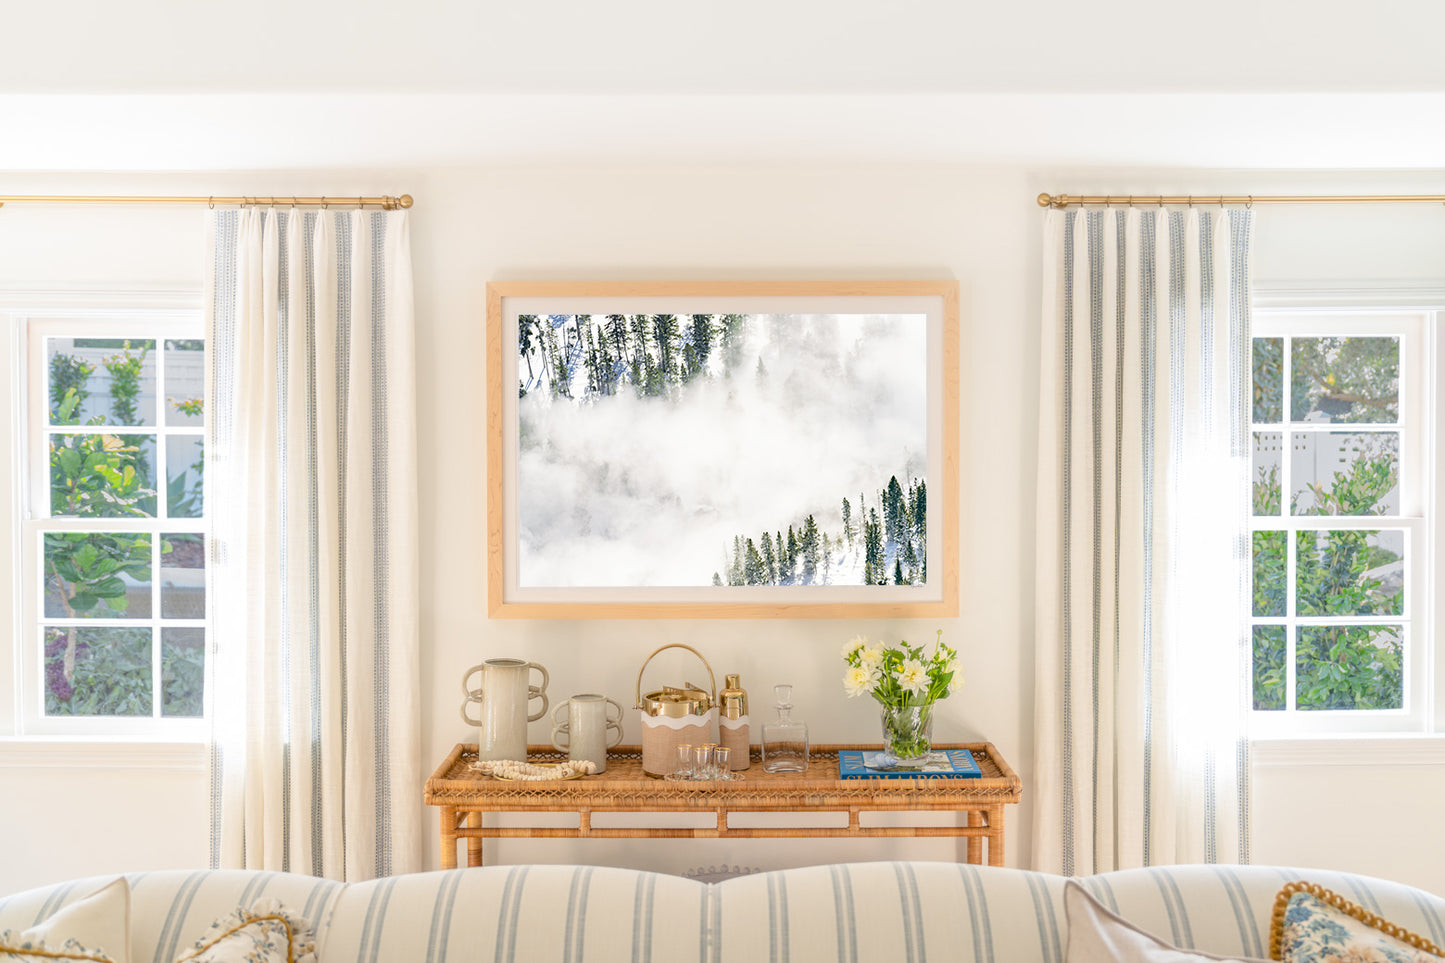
(733,729)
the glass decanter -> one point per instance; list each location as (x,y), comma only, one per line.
(785,740)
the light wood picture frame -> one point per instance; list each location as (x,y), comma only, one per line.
(722,449)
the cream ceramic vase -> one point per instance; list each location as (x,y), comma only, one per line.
(503,695)
(585,727)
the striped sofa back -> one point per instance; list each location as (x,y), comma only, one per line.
(850,912)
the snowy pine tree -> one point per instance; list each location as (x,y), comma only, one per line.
(753,566)
(895,514)
(770,560)
(810,548)
(874,572)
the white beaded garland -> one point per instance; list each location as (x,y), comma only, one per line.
(531,772)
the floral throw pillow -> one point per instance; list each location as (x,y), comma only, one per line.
(265,933)
(1314,925)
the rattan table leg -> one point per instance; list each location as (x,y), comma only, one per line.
(449,837)
(975,843)
(474,843)
(995,836)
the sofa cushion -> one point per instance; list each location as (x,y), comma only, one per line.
(520,913)
(1098,936)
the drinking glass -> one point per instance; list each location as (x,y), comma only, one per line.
(703,765)
(721,758)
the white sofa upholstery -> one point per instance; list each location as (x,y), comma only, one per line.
(852,912)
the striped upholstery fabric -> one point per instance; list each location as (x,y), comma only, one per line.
(850,913)
(170,910)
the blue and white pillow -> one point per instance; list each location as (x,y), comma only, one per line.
(266,933)
(1314,925)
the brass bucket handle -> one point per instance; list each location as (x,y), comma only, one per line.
(676,645)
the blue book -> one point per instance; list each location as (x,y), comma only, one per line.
(939,764)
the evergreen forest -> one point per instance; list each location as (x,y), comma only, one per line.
(585,356)
(882,544)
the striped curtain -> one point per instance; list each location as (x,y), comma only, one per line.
(316,755)
(1142,655)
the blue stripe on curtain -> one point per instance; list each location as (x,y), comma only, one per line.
(1148,380)
(1095,224)
(1066,528)
(381,650)
(313,549)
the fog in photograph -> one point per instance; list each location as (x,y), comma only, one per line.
(724,449)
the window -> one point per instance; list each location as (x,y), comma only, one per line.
(1341,547)
(113,533)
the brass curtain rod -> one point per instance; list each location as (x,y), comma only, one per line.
(384,202)
(1060,201)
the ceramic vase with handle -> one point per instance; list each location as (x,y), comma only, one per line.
(503,694)
(580,728)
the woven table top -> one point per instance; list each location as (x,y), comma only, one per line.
(624,785)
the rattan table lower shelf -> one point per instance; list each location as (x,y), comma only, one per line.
(464,796)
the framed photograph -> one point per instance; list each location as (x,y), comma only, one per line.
(722,449)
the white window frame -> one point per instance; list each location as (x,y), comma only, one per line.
(31,501)
(1415,321)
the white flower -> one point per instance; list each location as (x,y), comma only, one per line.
(854,644)
(911,676)
(858,680)
(871,658)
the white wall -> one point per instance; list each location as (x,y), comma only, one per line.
(470,226)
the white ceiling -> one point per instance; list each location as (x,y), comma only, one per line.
(169,84)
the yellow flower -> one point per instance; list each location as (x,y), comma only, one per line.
(871,658)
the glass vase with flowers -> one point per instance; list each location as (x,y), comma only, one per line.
(906,681)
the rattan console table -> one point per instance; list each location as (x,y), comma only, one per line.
(464,795)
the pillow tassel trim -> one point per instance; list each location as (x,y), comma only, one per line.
(12,947)
(1281,907)
(263,911)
